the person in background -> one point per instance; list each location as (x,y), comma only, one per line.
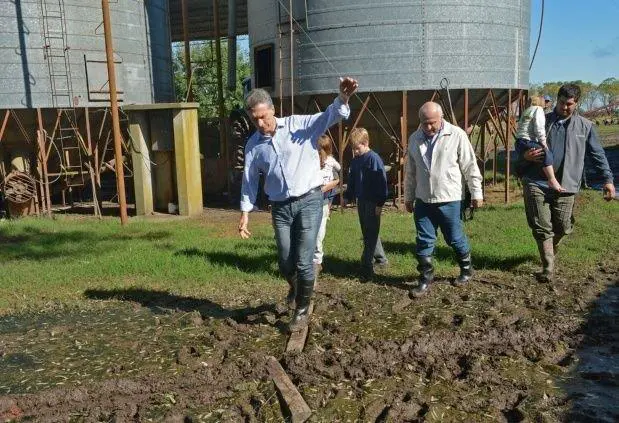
(367,183)
(547,104)
(329,170)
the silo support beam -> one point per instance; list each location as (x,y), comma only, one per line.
(187,46)
(466,109)
(187,156)
(140,156)
(43,158)
(111,74)
(508,131)
(231,45)
(7,114)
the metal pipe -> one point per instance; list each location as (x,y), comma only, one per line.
(231,45)
(404,143)
(483,157)
(223,142)
(45,176)
(508,131)
(466,109)
(185,16)
(111,72)
(291,59)
(281,71)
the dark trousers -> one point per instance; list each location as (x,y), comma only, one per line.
(370,228)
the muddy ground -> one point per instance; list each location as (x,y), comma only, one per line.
(504,348)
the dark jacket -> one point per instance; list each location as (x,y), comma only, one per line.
(367,179)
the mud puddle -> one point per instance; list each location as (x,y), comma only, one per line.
(500,349)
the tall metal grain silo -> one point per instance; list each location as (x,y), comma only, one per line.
(53,53)
(400,51)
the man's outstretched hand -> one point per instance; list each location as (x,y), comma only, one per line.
(348,87)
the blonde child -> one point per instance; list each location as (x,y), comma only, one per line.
(531,134)
(329,169)
(367,183)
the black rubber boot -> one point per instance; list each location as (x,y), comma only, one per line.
(466,269)
(292,291)
(426,276)
(300,318)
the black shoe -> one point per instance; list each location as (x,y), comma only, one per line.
(426,276)
(466,270)
(292,292)
(366,275)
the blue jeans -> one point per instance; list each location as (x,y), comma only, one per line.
(296,223)
(446,216)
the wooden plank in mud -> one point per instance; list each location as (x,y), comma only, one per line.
(296,341)
(294,402)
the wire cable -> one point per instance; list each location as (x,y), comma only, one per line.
(539,35)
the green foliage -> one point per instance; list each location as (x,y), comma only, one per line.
(609,89)
(204,82)
(592,95)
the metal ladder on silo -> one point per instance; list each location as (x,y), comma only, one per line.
(72,149)
(56,52)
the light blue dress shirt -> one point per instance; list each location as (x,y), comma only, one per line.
(289,160)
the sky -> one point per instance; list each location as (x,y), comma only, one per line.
(580,40)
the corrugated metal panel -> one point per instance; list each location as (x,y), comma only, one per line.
(403,45)
(141,45)
(200,20)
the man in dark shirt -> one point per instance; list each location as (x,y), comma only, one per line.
(367,183)
(571,138)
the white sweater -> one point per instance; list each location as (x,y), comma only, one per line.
(453,159)
(327,171)
(532,125)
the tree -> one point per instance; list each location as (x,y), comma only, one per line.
(609,90)
(204,81)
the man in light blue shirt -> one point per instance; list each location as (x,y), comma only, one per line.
(285,151)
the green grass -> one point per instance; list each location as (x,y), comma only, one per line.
(46,263)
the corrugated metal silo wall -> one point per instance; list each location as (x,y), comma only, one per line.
(141,44)
(398,45)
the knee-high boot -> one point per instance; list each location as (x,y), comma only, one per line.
(426,276)
(546,253)
(300,318)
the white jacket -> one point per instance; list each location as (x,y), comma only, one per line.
(532,125)
(453,159)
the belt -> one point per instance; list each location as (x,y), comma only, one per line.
(291,199)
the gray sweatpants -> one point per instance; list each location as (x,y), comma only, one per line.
(370,228)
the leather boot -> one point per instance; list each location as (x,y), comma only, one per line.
(300,318)
(426,276)
(546,253)
(466,269)
(292,291)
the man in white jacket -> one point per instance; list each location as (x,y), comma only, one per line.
(440,155)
